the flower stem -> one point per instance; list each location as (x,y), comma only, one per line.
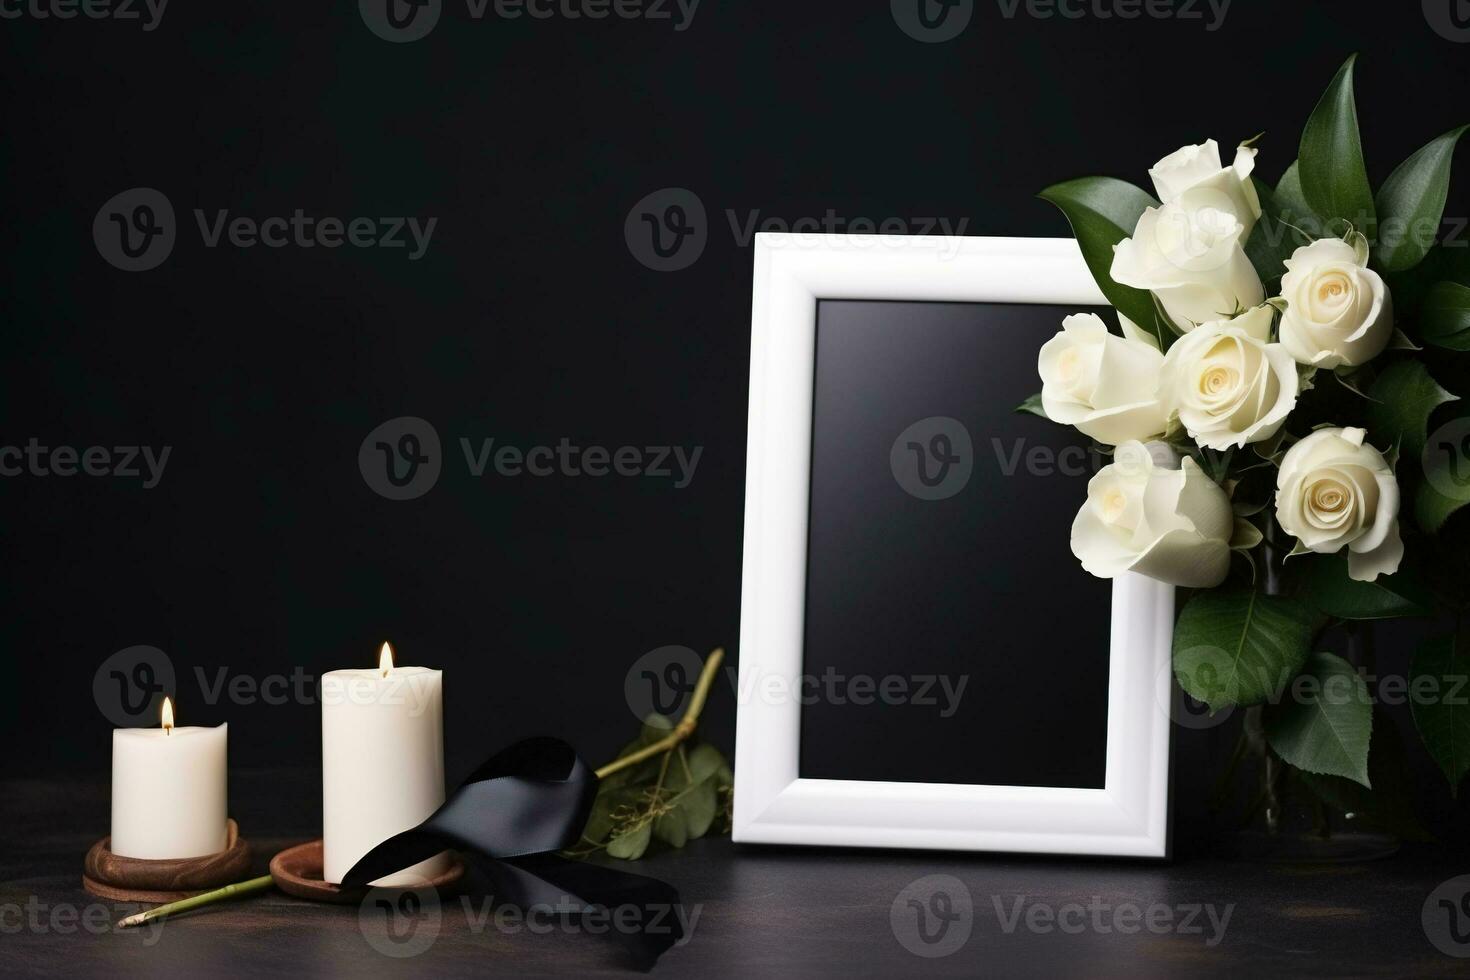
(207,898)
(682,730)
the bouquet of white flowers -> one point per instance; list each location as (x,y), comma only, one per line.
(1281,356)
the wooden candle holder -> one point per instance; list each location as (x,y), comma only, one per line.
(124,879)
(298,871)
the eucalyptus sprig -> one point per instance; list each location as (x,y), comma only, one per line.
(664,785)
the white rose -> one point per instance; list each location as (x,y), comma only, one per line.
(1229,384)
(1333,491)
(1338,310)
(1192,260)
(1107,386)
(1171,524)
(1193,176)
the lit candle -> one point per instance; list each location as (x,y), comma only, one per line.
(382,762)
(170,793)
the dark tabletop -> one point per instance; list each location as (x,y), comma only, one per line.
(760,912)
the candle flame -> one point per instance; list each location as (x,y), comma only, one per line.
(385,660)
(168,717)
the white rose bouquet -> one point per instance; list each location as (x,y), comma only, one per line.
(1276,401)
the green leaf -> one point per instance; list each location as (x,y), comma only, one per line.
(1334,178)
(1401,341)
(1238,647)
(1271,242)
(630,846)
(671,828)
(1411,203)
(1389,805)
(1104,211)
(1292,204)
(700,807)
(1246,535)
(704,762)
(1403,398)
(1444,319)
(1251,492)
(1033,405)
(1432,508)
(1326,725)
(1354,378)
(1325,578)
(1439,687)
(599,819)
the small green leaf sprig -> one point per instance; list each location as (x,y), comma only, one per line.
(664,785)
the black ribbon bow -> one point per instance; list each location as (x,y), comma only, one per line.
(510,816)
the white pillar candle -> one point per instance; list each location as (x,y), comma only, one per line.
(382,763)
(170,793)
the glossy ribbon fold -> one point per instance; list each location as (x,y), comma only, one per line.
(509,817)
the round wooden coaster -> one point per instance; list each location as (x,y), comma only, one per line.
(298,871)
(124,879)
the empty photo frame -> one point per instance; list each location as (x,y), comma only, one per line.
(923,663)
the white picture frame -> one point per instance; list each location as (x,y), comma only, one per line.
(1129,816)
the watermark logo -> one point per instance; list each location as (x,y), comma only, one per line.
(661,681)
(400,922)
(401,459)
(1105,918)
(1446,459)
(1446,917)
(667,230)
(1181,10)
(1204,676)
(933,917)
(933,458)
(148,12)
(1044,460)
(400,21)
(943,692)
(1450,19)
(65,919)
(135,230)
(674,463)
(932,21)
(129,686)
(128,462)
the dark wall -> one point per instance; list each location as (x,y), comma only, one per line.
(528,319)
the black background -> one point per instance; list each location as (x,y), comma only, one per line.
(528,320)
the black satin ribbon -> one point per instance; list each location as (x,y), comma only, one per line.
(526,802)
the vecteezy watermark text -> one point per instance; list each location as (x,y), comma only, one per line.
(1210,12)
(662,680)
(125,462)
(669,229)
(306,231)
(136,230)
(148,12)
(834,687)
(402,459)
(1103,917)
(402,923)
(568,459)
(64,919)
(401,21)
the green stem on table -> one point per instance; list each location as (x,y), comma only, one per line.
(236,890)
